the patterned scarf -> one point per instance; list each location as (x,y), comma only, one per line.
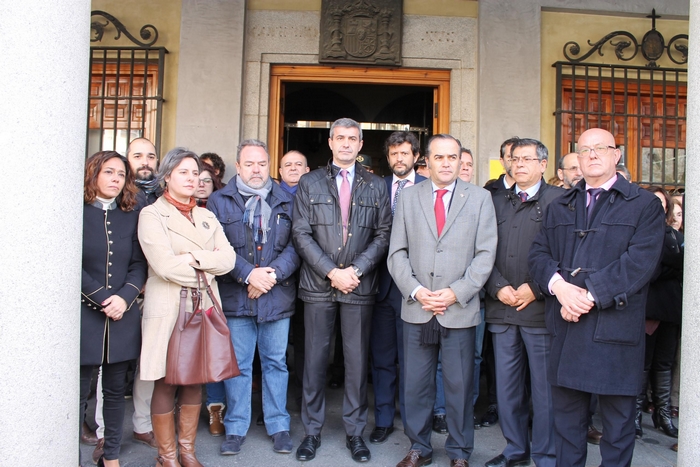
(185,209)
(147,186)
(257,211)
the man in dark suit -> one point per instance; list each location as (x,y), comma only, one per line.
(515,312)
(443,244)
(386,343)
(594,257)
(341,226)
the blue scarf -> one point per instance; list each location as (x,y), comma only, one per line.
(257,211)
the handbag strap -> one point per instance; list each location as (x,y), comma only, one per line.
(181,317)
(203,278)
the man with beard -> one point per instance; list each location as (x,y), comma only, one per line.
(569,171)
(386,341)
(143,160)
(258,295)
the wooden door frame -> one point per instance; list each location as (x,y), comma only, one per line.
(439,80)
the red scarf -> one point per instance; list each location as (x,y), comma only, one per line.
(185,209)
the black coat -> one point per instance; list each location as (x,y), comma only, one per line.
(113,264)
(614,259)
(318,233)
(665,300)
(518,224)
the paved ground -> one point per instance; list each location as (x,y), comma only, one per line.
(653,450)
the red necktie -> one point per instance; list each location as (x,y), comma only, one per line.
(440,210)
(523,196)
(344,202)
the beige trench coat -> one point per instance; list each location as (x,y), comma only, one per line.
(166,236)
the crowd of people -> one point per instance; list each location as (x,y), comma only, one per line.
(568,297)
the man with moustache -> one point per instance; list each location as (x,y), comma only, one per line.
(258,295)
(443,244)
(143,160)
(292,166)
(593,258)
(569,171)
(515,313)
(341,229)
(386,343)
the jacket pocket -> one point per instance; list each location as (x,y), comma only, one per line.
(283,229)
(321,209)
(366,211)
(232,223)
(618,327)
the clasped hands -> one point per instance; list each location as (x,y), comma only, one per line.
(114,307)
(573,299)
(344,280)
(519,298)
(260,282)
(436,301)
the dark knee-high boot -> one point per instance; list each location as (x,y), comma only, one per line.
(164,431)
(641,397)
(661,382)
(187,434)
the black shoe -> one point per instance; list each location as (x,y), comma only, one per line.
(439,424)
(477,425)
(503,461)
(357,448)
(307,449)
(380,434)
(336,382)
(261,419)
(490,418)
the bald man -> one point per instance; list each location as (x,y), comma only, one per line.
(569,171)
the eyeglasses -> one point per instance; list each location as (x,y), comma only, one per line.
(525,160)
(601,150)
(205,181)
(576,167)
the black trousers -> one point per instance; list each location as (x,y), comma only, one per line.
(355,324)
(113,388)
(571,409)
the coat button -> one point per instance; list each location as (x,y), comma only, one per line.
(340,248)
(109,264)
(622,303)
(109,286)
(259,247)
(108,222)
(109,275)
(110,242)
(109,232)
(340,265)
(83,300)
(349,234)
(582,234)
(111,252)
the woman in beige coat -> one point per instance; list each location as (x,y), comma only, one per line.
(176,238)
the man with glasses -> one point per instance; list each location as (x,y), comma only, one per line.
(515,312)
(569,171)
(593,259)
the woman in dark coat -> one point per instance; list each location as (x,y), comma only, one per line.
(663,319)
(114,271)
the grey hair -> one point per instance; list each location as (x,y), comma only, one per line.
(506,143)
(172,159)
(541,149)
(251,142)
(560,165)
(346,123)
(442,136)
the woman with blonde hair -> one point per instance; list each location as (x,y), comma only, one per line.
(178,238)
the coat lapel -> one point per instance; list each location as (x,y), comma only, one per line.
(459,199)
(180,225)
(427,206)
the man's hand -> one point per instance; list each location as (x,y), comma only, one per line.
(524,295)
(507,296)
(261,279)
(344,280)
(436,302)
(574,302)
(114,307)
(254,293)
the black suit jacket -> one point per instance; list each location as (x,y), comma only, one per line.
(385,280)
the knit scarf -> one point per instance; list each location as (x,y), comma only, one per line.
(184,208)
(257,211)
(147,186)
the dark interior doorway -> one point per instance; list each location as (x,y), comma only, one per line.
(310,108)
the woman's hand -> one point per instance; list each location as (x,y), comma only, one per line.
(114,307)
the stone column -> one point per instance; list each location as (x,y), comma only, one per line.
(209,79)
(43,90)
(689,429)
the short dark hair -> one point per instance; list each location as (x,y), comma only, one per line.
(442,136)
(127,198)
(507,143)
(669,202)
(400,137)
(468,151)
(215,179)
(216,161)
(541,149)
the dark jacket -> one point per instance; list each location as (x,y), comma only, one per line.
(144,199)
(113,264)
(518,224)
(318,233)
(278,253)
(613,259)
(385,280)
(665,299)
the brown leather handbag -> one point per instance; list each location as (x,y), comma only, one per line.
(200,348)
